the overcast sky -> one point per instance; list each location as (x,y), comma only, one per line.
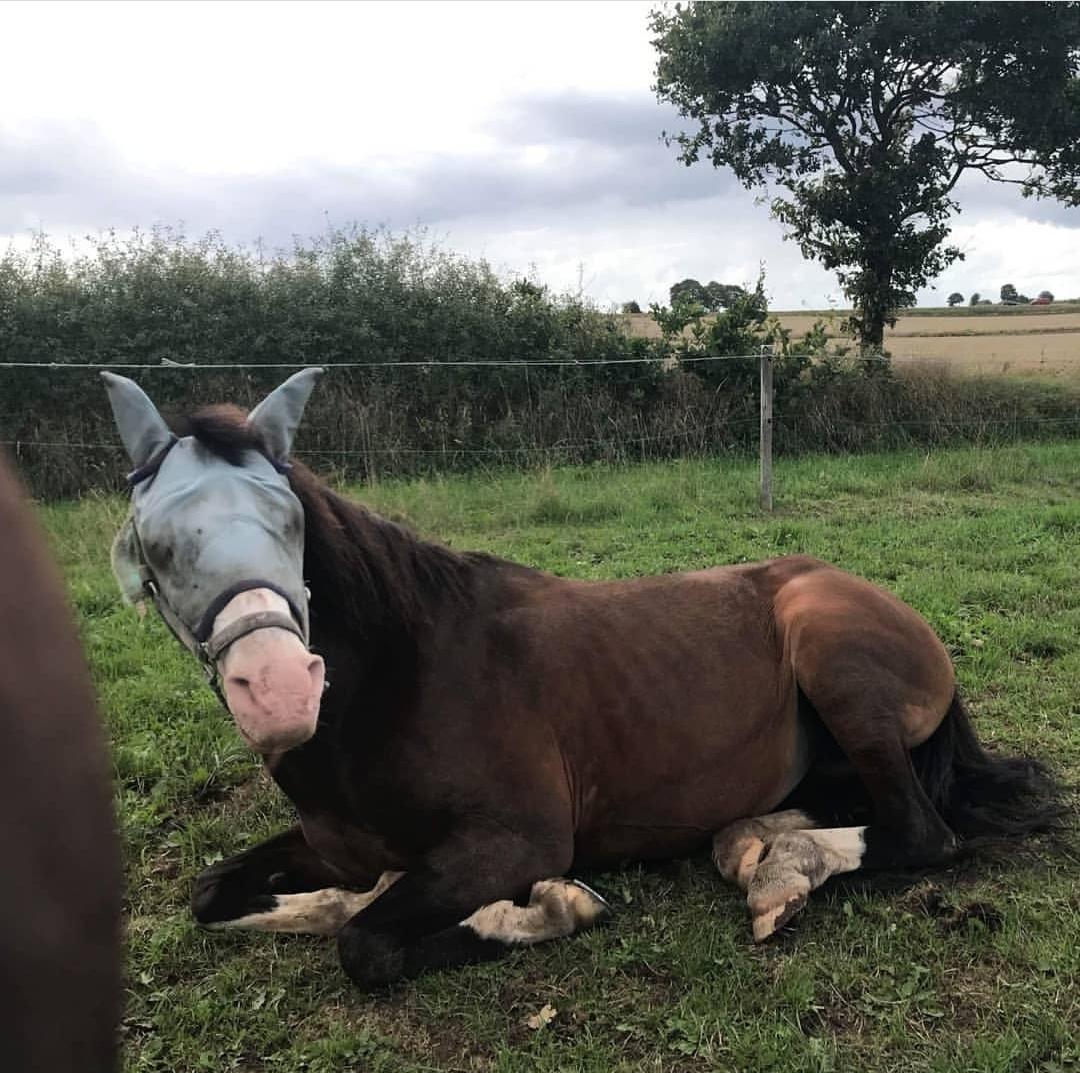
(525,133)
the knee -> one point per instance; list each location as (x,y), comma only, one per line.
(370,959)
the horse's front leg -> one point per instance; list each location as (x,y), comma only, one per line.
(252,888)
(280,886)
(316,912)
(457,908)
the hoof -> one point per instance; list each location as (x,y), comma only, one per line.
(748,863)
(597,910)
(768,923)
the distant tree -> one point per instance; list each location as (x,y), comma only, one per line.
(1046,296)
(1023,300)
(631,307)
(711,296)
(985,302)
(956,298)
(974,299)
(865,116)
(1009,295)
(687,291)
(722,295)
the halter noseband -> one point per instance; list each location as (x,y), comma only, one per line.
(205,645)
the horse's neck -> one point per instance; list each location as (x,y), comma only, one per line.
(378,590)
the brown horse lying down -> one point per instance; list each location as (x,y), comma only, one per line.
(60,895)
(491,726)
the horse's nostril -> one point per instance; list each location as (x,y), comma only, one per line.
(317,671)
(240,682)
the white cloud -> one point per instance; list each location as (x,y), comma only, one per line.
(523,132)
(1032,255)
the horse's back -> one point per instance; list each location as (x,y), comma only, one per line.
(60,895)
(675,698)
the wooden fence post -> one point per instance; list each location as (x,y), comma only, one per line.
(765,438)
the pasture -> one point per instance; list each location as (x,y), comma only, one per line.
(1000,339)
(973,969)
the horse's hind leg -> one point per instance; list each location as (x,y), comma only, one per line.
(780,858)
(780,863)
(739,848)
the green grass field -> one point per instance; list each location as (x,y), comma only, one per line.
(974,970)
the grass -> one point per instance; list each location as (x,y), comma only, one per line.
(974,970)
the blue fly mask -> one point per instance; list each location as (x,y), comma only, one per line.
(203,531)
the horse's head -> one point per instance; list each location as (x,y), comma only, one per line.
(216,539)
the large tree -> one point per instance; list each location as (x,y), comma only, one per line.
(860,118)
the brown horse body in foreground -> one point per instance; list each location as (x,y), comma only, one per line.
(490,726)
(60,894)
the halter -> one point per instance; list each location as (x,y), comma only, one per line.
(205,645)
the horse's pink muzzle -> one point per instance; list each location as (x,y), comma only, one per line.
(273,685)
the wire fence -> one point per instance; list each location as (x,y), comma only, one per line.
(522,365)
(368,422)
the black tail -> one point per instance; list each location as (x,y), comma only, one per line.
(984,797)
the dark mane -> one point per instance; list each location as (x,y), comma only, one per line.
(223,430)
(389,567)
(364,566)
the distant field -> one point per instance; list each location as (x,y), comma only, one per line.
(1028,339)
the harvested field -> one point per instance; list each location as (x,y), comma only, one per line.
(1020,339)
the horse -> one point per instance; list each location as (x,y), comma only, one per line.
(492,729)
(60,897)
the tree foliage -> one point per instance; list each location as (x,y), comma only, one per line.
(860,118)
(711,296)
(956,298)
(1009,294)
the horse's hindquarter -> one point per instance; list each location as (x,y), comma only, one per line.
(846,638)
(669,705)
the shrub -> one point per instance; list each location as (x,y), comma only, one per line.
(384,303)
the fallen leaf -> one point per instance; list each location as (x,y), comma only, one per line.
(545,1015)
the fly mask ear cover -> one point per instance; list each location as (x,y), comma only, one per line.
(204,529)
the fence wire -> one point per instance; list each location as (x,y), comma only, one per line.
(371,441)
(945,424)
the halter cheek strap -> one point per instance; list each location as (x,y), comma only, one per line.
(205,645)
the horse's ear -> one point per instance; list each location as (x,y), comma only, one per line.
(142,428)
(278,416)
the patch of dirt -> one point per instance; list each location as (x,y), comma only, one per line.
(832,1019)
(928,899)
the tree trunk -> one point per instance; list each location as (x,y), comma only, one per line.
(872,331)
(873,302)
